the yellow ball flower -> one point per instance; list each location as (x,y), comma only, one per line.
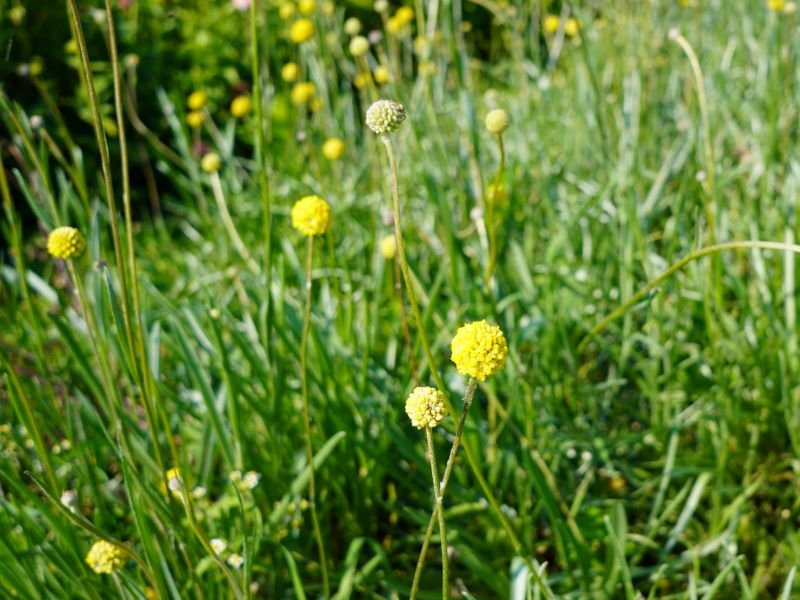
(106,558)
(286,10)
(333,148)
(307,6)
(240,106)
(394,25)
(301,31)
(775,5)
(404,14)
(197,100)
(381,75)
(551,23)
(388,246)
(360,81)
(195,119)
(425,407)
(303,92)
(211,162)
(571,27)
(479,350)
(311,215)
(352,26)
(359,46)
(289,72)
(66,242)
(385,116)
(328,8)
(497,121)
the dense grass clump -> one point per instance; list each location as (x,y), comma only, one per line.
(445,299)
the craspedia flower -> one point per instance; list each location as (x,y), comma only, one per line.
(425,407)
(65,242)
(195,119)
(388,246)
(106,558)
(301,31)
(240,106)
(333,148)
(311,215)
(381,74)
(359,46)
(307,6)
(286,10)
(197,100)
(352,26)
(775,5)
(303,92)
(479,350)
(289,72)
(497,121)
(385,116)
(211,162)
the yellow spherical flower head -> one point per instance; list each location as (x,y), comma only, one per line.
(240,106)
(775,4)
(289,72)
(311,215)
(497,121)
(352,26)
(197,100)
(307,6)
(381,74)
(551,23)
(385,116)
(359,46)
(333,148)
(106,558)
(303,92)
(211,162)
(479,350)
(571,27)
(425,407)
(388,246)
(404,14)
(301,31)
(195,119)
(286,10)
(65,242)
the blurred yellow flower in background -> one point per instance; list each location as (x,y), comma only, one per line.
(197,100)
(289,72)
(301,31)
(333,148)
(240,106)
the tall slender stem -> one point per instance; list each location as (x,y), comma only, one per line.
(227,221)
(442,487)
(491,200)
(412,300)
(312,484)
(437,510)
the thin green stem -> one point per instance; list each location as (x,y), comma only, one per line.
(412,300)
(312,484)
(437,498)
(266,202)
(227,221)
(655,282)
(105,162)
(491,200)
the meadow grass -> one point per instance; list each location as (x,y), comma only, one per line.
(181,392)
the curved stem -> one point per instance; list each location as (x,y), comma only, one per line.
(312,484)
(227,221)
(437,510)
(412,300)
(620,310)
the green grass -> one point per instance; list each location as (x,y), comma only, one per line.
(657,455)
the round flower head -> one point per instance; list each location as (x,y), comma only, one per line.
(65,242)
(197,100)
(497,121)
(289,72)
(352,26)
(211,162)
(301,31)
(425,407)
(479,350)
(385,116)
(311,215)
(307,6)
(286,10)
(195,119)
(240,106)
(333,148)
(388,247)
(381,74)
(303,92)
(106,558)
(359,46)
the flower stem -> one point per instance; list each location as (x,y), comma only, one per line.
(412,300)
(312,485)
(442,487)
(227,221)
(491,199)
(437,510)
